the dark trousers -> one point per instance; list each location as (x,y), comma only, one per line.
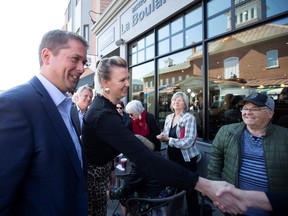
(191,196)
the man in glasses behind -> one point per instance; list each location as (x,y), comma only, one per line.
(120,109)
(252,155)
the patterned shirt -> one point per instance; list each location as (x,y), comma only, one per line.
(253,174)
(187,144)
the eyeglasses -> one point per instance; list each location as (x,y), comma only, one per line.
(255,109)
(119,107)
(131,114)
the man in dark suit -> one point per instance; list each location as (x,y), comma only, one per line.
(42,170)
(83,98)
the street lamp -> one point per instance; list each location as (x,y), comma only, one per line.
(91,11)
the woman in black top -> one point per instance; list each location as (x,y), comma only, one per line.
(105,136)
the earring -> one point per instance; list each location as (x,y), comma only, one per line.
(107,90)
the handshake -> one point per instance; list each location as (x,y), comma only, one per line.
(233,200)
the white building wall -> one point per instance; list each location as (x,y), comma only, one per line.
(128,19)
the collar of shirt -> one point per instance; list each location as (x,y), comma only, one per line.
(57,96)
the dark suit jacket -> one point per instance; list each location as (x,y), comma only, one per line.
(40,173)
(75,119)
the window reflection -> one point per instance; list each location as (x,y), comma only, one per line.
(183,31)
(142,82)
(274,7)
(254,60)
(163,47)
(181,72)
(177,25)
(163,32)
(177,41)
(193,17)
(218,25)
(244,12)
(141,49)
(247,13)
(193,35)
(216,6)
(238,67)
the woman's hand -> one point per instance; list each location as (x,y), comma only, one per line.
(162,137)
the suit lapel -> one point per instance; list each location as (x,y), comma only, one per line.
(60,127)
(75,119)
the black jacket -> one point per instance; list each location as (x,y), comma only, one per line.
(104,136)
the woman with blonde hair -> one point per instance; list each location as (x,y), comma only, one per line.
(105,136)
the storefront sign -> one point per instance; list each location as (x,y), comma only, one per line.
(139,11)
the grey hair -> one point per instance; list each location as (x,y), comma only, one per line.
(82,88)
(55,40)
(104,67)
(184,97)
(135,107)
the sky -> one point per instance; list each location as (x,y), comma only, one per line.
(23,23)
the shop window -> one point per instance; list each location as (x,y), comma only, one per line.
(177,41)
(193,26)
(236,70)
(163,47)
(193,35)
(194,17)
(180,32)
(274,7)
(163,32)
(141,74)
(183,64)
(141,49)
(217,6)
(177,25)
(218,25)
(272,58)
(219,15)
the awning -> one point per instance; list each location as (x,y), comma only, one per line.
(268,82)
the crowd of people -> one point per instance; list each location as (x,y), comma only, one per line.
(49,167)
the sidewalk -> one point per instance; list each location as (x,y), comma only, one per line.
(112,205)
